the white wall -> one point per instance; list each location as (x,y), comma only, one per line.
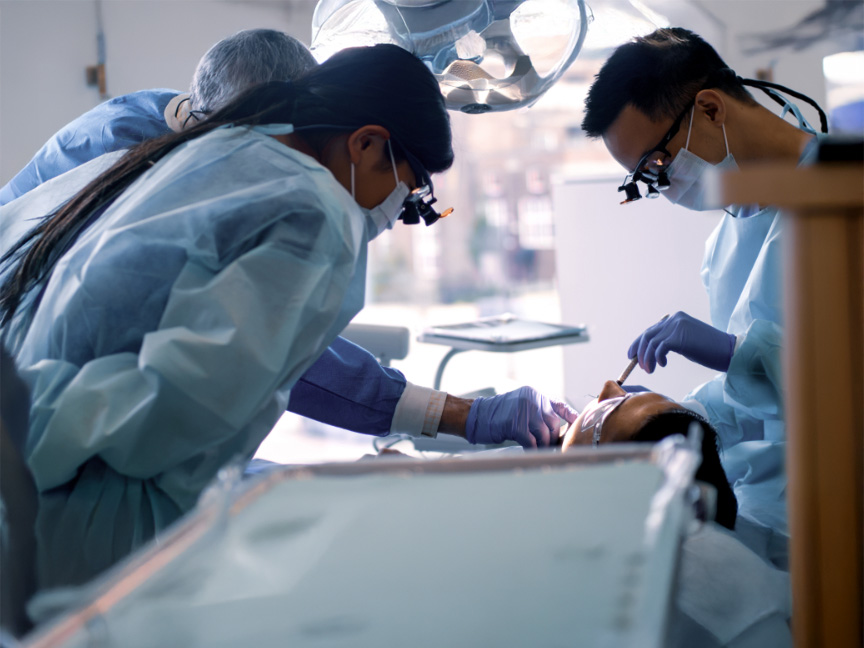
(620,269)
(45,46)
(736,21)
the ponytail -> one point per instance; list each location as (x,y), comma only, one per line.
(381,85)
(267,103)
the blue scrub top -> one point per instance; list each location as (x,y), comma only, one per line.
(116,124)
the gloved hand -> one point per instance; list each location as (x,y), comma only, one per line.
(523,415)
(692,338)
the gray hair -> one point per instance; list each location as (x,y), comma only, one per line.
(243,60)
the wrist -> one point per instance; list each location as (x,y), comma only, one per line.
(455,415)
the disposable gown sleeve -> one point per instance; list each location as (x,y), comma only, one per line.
(751,391)
(56,158)
(224,345)
(18,219)
(754,378)
(348,388)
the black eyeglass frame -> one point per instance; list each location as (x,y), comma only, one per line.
(654,183)
(417,204)
(631,189)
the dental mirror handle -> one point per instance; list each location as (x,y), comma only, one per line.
(634,361)
(627,371)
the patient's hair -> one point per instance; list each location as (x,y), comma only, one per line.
(710,470)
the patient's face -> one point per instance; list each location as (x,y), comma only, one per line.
(623,422)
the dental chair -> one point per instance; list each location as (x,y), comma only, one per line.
(386,343)
(499,550)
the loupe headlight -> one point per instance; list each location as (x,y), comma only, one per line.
(418,203)
(655,184)
(630,189)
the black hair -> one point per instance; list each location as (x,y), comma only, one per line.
(710,470)
(658,74)
(382,85)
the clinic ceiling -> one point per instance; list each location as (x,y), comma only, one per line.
(801,24)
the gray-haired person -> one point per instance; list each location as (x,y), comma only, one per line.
(232,65)
(345,387)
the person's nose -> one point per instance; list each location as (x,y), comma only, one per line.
(611,389)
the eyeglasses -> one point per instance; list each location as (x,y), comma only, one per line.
(418,203)
(651,168)
(595,418)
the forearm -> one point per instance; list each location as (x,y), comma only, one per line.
(346,387)
(455,415)
(754,378)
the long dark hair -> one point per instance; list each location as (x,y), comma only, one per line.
(382,85)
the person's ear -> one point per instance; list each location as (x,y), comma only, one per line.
(366,144)
(711,105)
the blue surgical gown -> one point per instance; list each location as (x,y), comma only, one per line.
(167,340)
(742,273)
(346,387)
(113,125)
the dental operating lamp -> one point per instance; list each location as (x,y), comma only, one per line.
(487,55)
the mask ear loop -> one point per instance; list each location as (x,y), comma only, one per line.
(393,162)
(726,141)
(690,128)
(352,181)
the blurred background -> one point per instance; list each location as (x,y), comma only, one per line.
(537,229)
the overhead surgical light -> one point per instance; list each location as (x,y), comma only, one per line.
(486,54)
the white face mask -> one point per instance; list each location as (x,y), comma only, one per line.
(686,173)
(384,216)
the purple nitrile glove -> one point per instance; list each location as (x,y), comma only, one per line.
(523,415)
(692,338)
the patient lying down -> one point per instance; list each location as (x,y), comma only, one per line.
(620,417)
(727,596)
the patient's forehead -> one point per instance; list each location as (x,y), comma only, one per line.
(628,419)
(624,422)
